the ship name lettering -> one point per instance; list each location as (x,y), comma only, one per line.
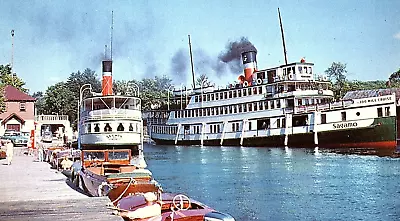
(345,125)
(113,136)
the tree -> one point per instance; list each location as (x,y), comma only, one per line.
(337,74)
(8,78)
(39,105)
(154,92)
(202,81)
(394,79)
(60,99)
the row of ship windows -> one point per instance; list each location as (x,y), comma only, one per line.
(106,127)
(261,124)
(230,109)
(229,94)
(248,107)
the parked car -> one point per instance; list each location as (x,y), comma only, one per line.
(47,137)
(16,138)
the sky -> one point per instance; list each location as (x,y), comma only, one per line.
(150,38)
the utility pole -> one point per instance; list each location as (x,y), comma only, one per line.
(12,57)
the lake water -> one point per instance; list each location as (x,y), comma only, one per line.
(279,183)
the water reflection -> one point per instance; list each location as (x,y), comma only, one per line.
(281,184)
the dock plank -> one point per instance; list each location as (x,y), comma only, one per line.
(31,190)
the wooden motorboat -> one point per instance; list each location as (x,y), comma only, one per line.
(173,207)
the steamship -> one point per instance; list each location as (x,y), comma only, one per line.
(111,140)
(288,105)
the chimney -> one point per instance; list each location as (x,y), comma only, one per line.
(250,64)
(106,84)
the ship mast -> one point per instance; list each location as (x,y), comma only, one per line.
(191,61)
(283,37)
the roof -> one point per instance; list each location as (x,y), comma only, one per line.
(371,93)
(13,94)
(13,115)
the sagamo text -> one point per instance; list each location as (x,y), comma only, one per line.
(345,125)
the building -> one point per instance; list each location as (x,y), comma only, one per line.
(19,114)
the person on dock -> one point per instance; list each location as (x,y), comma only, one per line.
(66,164)
(10,151)
(151,209)
(40,152)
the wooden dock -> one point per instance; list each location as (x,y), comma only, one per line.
(31,190)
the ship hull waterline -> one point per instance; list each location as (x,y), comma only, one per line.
(380,135)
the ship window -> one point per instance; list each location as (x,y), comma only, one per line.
(255,106)
(233,127)
(263,124)
(266,105)
(212,111)
(212,97)
(260,105)
(204,98)
(272,104)
(284,122)
(218,128)
(221,95)
(230,109)
(234,109)
(230,94)
(299,102)
(107,128)
(196,98)
(249,90)
(344,115)
(358,114)
(208,111)
(255,90)
(225,95)
(200,112)
(208,97)
(387,111)
(278,103)
(245,108)
(130,127)
(323,118)
(240,108)
(380,114)
(244,92)
(260,90)
(234,93)
(226,110)
(96,128)
(249,125)
(239,93)
(217,111)
(250,107)
(278,123)
(204,112)
(120,127)
(216,96)
(89,127)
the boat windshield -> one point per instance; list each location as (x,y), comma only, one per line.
(118,155)
(89,155)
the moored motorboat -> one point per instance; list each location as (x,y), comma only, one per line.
(173,207)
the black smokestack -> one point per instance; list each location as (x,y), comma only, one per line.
(233,53)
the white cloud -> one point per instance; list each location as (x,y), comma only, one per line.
(397,35)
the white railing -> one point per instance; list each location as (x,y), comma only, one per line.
(111,114)
(51,118)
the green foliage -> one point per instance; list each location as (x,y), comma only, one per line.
(63,97)
(39,105)
(337,74)
(8,78)
(202,81)
(154,92)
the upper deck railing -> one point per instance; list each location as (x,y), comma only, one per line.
(111,114)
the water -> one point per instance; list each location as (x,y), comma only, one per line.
(281,184)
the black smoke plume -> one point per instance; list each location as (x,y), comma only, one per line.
(179,65)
